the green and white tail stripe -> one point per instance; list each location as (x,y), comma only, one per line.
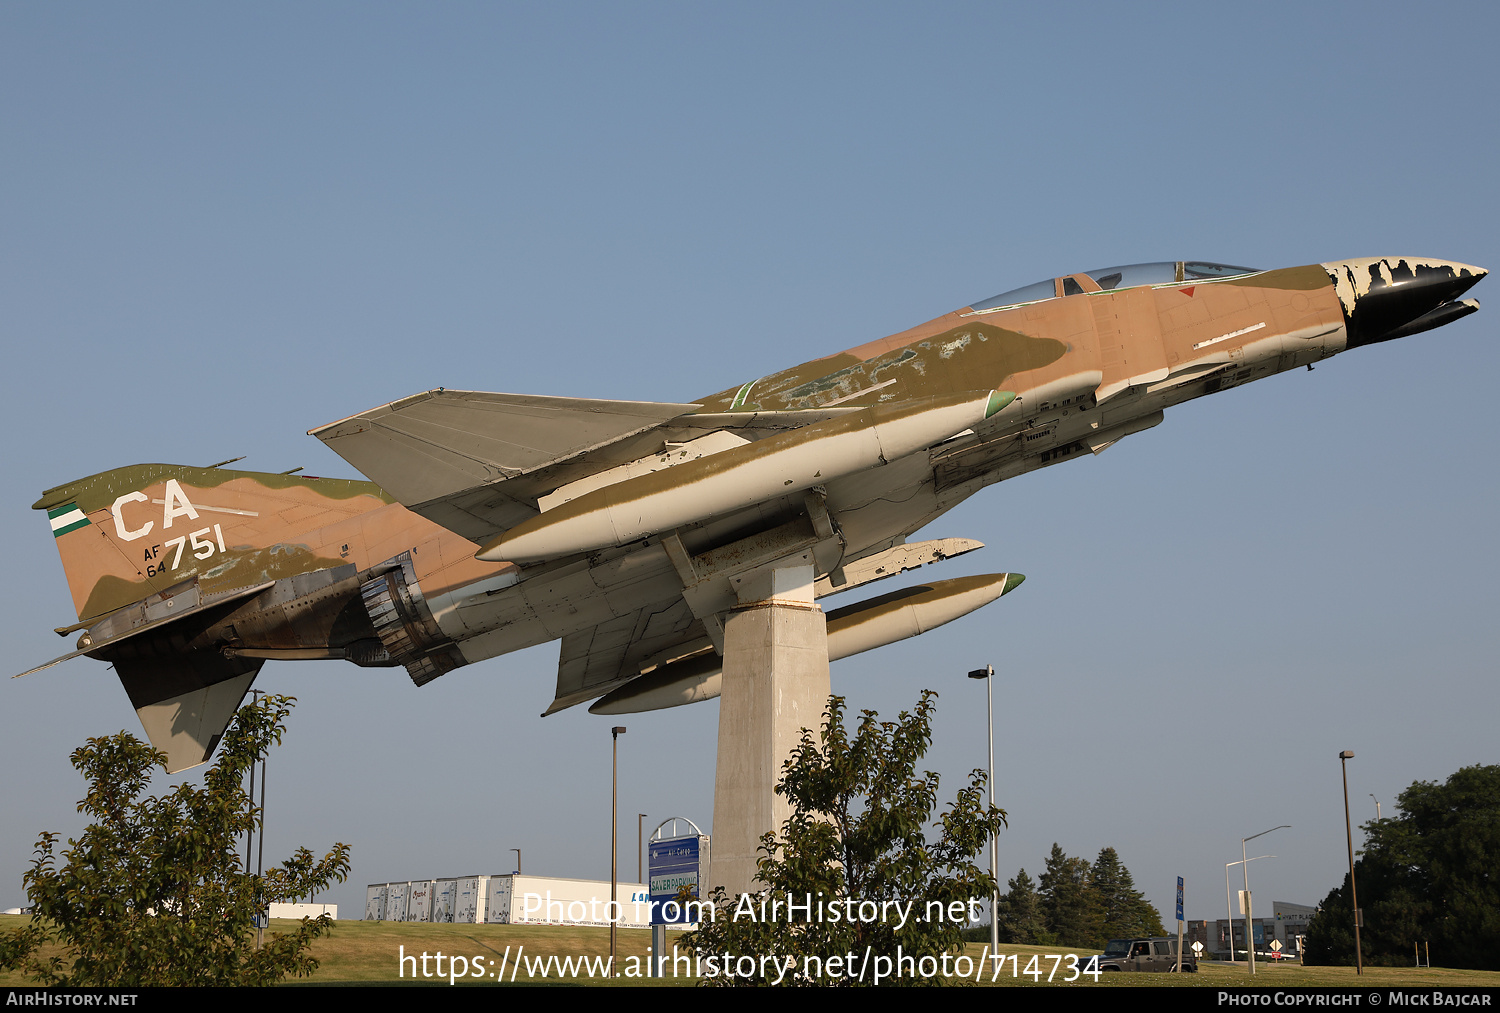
(66,518)
(744,392)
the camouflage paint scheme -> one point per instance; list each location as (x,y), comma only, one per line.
(189,579)
(274,526)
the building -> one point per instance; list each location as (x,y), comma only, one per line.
(1287,925)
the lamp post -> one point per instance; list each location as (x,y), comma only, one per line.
(987,673)
(1228,910)
(261,916)
(639,829)
(1377,804)
(250,832)
(614,844)
(1245,868)
(1359,959)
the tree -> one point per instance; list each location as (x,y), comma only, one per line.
(857,833)
(1069,907)
(1425,877)
(1077,905)
(1125,910)
(1020,913)
(152,893)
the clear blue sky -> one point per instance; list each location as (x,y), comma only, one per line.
(225,224)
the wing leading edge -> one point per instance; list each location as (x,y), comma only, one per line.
(481,463)
(454,456)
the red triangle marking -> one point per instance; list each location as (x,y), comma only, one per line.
(1187,291)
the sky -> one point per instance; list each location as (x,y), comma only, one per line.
(223,225)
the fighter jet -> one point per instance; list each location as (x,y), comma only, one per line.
(493,522)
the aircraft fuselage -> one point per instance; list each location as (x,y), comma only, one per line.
(268,567)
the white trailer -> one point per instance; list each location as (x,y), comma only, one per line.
(419,901)
(395,901)
(544,900)
(444,900)
(470,906)
(280,910)
(497,899)
(375,902)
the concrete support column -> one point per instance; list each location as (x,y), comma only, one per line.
(775,684)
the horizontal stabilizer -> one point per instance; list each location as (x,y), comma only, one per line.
(150,613)
(185,701)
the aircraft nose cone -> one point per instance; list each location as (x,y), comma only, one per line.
(1391,297)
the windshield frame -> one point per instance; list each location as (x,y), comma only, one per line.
(1151,274)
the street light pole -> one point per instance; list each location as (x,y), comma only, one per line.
(614,845)
(639,830)
(1228,913)
(260,931)
(1228,909)
(987,673)
(1249,938)
(260,853)
(1359,959)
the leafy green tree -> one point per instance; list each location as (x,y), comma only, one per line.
(1020,913)
(1426,876)
(152,893)
(1124,910)
(857,832)
(1071,909)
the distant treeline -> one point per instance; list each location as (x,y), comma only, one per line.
(1076,904)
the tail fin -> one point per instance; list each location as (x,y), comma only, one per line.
(167,535)
(126,534)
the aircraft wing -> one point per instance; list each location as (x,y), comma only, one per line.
(608,655)
(451,455)
(479,463)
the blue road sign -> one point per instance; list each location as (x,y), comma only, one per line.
(674,863)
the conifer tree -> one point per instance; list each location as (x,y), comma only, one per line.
(1070,908)
(1125,911)
(1020,913)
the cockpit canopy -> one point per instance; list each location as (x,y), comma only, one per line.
(1164,272)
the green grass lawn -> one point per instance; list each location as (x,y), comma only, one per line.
(1214,974)
(359,952)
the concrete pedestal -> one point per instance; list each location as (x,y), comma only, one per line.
(775,684)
